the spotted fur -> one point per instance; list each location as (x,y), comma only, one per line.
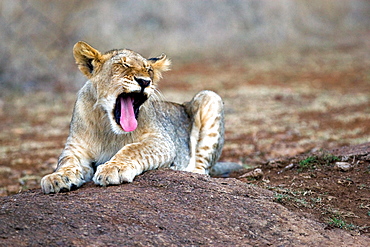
(186,137)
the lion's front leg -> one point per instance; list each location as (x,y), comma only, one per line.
(65,178)
(71,173)
(133,159)
(116,172)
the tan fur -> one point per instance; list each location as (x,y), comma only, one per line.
(185,137)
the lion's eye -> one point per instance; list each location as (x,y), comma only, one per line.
(124,62)
(150,71)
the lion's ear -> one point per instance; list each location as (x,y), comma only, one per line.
(87,58)
(160,64)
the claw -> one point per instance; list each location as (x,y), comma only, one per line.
(61,182)
(64,189)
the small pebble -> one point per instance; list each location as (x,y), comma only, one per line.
(343,166)
(256,173)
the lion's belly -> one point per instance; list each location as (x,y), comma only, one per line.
(176,123)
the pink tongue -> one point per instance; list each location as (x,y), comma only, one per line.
(127,120)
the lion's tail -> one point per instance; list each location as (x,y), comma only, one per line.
(223,169)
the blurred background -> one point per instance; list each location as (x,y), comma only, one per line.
(37,36)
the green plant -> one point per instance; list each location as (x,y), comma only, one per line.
(281,197)
(301,202)
(329,158)
(311,162)
(308,163)
(338,222)
(317,200)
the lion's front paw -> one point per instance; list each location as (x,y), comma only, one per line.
(61,182)
(109,174)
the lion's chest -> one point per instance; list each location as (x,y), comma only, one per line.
(108,145)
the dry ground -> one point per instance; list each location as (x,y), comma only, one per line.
(290,108)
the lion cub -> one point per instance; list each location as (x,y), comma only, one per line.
(120,128)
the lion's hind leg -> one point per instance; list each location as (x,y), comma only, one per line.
(207,133)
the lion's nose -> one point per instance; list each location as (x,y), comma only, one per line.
(143,82)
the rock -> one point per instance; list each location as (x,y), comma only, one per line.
(12,189)
(255,174)
(343,166)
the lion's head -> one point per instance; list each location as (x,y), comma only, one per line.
(123,81)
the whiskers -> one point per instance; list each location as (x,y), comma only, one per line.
(157,95)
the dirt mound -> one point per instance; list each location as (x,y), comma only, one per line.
(161,208)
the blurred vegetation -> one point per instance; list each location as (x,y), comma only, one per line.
(37,36)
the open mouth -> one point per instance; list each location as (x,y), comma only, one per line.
(126,110)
